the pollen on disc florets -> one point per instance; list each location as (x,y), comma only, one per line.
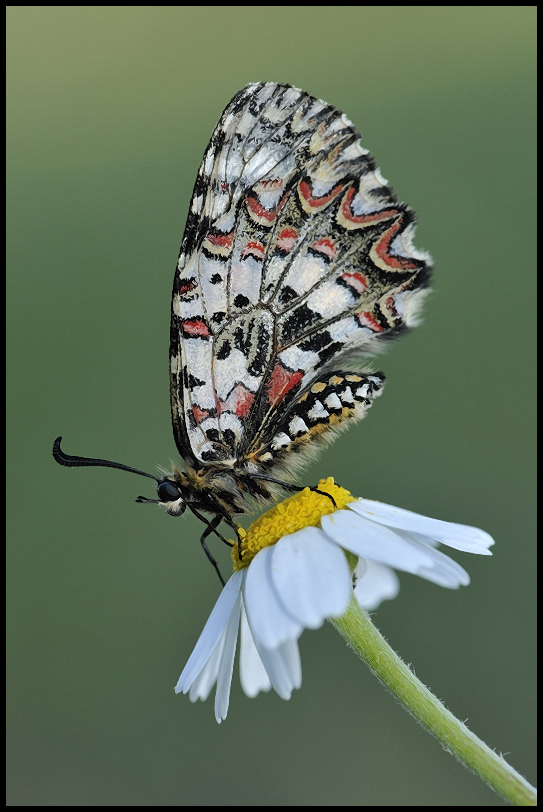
(304,509)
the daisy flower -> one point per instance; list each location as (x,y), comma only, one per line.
(300,563)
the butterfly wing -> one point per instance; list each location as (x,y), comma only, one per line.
(296,256)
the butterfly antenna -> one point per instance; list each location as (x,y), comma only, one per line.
(81,462)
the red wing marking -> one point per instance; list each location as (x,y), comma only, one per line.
(239,401)
(224,240)
(363,219)
(187,286)
(219,243)
(367,320)
(281,382)
(262,213)
(195,328)
(318,202)
(286,239)
(199,414)
(380,251)
(325,246)
(254,249)
(390,304)
(382,248)
(355,280)
(270,185)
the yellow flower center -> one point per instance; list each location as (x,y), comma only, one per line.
(304,509)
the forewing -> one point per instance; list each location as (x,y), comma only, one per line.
(295,254)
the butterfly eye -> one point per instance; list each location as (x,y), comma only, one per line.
(168,492)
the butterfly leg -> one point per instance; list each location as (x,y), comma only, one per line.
(211,528)
(230,521)
(323,493)
(289,486)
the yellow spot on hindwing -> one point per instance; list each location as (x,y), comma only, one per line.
(304,509)
(318,387)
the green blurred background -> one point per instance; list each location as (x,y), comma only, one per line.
(109,111)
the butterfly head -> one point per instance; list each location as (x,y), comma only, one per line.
(170,495)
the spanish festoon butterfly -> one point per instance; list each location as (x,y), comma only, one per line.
(296,260)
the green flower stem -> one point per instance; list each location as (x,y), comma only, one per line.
(360,633)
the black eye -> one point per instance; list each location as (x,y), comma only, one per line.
(167,492)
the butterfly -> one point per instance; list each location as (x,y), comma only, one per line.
(296,261)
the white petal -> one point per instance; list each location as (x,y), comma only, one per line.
(204,682)
(251,669)
(212,633)
(311,576)
(283,667)
(443,570)
(460,536)
(293,665)
(378,583)
(374,541)
(269,621)
(226,665)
